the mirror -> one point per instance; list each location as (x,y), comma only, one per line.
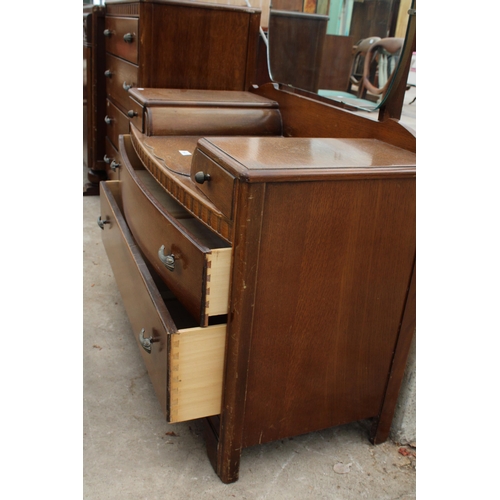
(344,50)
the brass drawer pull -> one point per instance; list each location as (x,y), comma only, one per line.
(146,342)
(108,119)
(114,165)
(126,86)
(129,37)
(101,222)
(108,74)
(168,260)
(201,177)
(131,113)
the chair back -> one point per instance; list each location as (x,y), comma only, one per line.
(358,61)
(380,64)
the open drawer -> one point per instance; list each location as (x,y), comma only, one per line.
(184,361)
(191,259)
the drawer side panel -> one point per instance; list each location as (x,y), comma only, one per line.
(143,303)
(196,372)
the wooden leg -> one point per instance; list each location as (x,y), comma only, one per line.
(226,468)
(91,188)
(382,424)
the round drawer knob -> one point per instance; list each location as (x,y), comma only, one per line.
(131,113)
(108,33)
(126,86)
(108,119)
(201,177)
(128,38)
(108,73)
(107,159)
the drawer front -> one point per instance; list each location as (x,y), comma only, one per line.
(120,76)
(215,182)
(122,36)
(116,123)
(136,114)
(185,364)
(181,250)
(113,161)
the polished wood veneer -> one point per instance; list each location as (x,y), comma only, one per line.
(161,44)
(291,223)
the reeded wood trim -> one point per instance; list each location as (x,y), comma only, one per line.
(249,210)
(202,212)
(126,9)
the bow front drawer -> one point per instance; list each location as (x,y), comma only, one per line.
(185,362)
(191,259)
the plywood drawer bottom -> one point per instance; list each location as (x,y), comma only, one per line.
(184,361)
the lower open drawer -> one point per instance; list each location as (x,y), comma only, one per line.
(184,361)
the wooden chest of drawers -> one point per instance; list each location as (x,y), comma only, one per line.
(163,43)
(314,275)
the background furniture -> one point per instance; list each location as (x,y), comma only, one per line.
(94,100)
(380,64)
(296,44)
(336,62)
(169,44)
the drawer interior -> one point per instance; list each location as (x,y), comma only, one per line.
(184,361)
(202,280)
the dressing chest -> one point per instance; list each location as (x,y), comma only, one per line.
(269,276)
(263,240)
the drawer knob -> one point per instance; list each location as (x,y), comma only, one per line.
(108,119)
(146,342)
(101,222)
(131,113)
(168,260)
(108,33)
(126,86)
(107,159)
(114,165)
(201,177)
(128,37)
(108,73)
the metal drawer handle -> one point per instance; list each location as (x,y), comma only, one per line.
(168,260)
(146,342)
(126,86)
(201,177)
(114,165)
(108,33)
(129,37)
(108,73)
(101,222)
(107,159)
(131,113)
(108,119)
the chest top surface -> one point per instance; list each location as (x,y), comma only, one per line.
(256,157)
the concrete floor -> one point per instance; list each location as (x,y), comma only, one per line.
(130,452)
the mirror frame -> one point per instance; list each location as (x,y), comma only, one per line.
(392,102)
